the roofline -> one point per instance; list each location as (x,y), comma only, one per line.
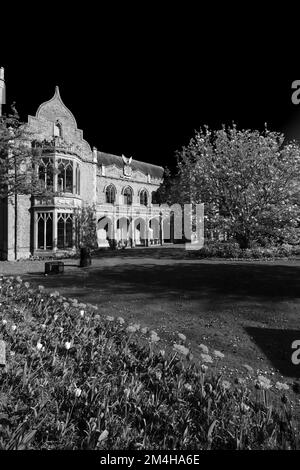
(134,160)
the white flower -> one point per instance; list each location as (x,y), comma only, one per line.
(103,436)
(207,358)
(181,349)
(240,381)
(188,387)
(77,392)
(14,327)
(109,318)
(203,348)
(121,320)
(244,408)
(204,368)
(82,313)
(131,329)
(67,345)
(144,330)
(55,317)
(54,294)
(282,386)
(181,336)
(263,382)
(39,346)
(154,338)
(218,354)
(44,326)
(4,322)
(226,385)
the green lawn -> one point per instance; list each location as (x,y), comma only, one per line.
(248,310)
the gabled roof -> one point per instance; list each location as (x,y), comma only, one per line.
(107,159)
(56,107)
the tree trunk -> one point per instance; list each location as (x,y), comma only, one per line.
(243,240)
(16,226)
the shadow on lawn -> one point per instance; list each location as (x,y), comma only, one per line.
(276,344)
(206,281)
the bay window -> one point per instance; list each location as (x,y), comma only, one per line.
(65,175)
(64,230)
(46,170)
(45,230)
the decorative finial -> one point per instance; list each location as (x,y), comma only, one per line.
(2,73)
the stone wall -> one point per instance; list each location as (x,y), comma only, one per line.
(114,175)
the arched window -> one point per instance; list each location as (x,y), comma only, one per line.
(127,195)
(110,194)
(46,171)
(64,230)
(144,198)
(65,176)
(44,231)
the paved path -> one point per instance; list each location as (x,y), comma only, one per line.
(25,267)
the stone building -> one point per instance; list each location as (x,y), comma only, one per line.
(119,188)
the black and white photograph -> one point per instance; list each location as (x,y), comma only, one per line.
(149,240)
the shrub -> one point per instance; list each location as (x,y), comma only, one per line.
(221,249)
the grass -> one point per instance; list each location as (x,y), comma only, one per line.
(78,379)
(250,310)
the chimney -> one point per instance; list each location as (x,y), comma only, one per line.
(2,89)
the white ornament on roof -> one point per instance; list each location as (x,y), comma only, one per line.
(126,160)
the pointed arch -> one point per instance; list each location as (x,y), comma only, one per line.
(127,193)
(110,194)
(143,197)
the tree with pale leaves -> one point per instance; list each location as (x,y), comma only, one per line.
(19,165)
(18,161)
(248,181)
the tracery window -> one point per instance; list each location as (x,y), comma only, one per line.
(65,175)
(44,230)
(110,194)
(127,195)
(144,198)
(64,230)
(45,171)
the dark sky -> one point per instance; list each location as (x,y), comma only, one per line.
(143,90)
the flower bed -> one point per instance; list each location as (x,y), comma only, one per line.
(74,379)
